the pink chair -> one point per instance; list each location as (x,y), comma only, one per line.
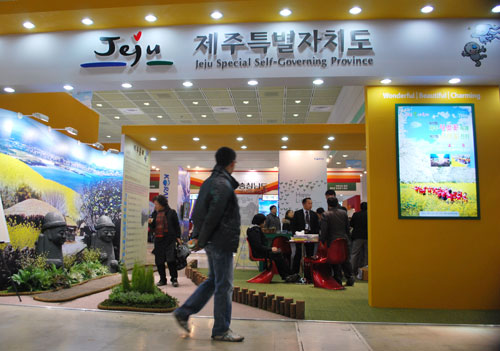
(321,267)
(266,276)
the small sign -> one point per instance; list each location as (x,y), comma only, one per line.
(342,186)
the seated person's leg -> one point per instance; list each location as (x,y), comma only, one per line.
(281,264)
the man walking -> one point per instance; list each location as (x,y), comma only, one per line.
(216,220)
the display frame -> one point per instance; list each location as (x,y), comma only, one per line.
(476,162)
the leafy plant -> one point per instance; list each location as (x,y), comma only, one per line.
(125,281)
(91,255)
(69,261)
(134,298)
(11,263)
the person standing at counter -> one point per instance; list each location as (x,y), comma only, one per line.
(287,221)
(272,219)
(304,220)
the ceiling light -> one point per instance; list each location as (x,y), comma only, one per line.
(203,116)
(284,138)
(331,138)
(246,102)
(298,101)
(284,147)
(285,12)
(164,147)
(68,87)
(9,90)
(146,104)
(243,146)
(252,82)
(275,167)
(28,25)
(331,156)
(427,9)
(117,117)
(386,81)
(355,10)
(249,115)
(364,172)
(187,84)
(188,166)
(338,163)
(203,147)
(196,139)
(108,136)
(153,139)
(454,81)
(239,138)
(195,102)
(216,15)
(87,21)
(327,160)
(153,167)
(295,115)
(318,81)
(70,130)
(97,145)
(159,116)
(496,9)
(98,105)
(150,18)
(126,85)
(40,116)
(344,156)
(326,146)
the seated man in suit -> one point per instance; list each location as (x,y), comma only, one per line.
(306,220)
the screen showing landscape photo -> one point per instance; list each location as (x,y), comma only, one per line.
(437,161)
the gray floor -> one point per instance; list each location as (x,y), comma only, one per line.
(42,328)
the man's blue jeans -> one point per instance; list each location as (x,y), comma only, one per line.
(219,284)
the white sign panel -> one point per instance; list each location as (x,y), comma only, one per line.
(4,233)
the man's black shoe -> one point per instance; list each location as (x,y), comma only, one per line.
(350,281)
(161,283)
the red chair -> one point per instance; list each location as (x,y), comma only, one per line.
(266,276)
(321,267)
(281,242)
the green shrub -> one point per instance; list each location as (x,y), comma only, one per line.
(69,261)
(91,255)
(134,298)
(37,261)
(35,279)
(125,281)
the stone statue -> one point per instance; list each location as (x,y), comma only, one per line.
(52,238)
(103,241)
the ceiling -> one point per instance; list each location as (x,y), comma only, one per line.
(62,15)
(234,106)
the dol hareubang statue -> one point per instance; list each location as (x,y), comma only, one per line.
(52,238)
(103,241)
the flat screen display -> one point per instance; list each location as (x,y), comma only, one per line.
(437,161)
(264,206)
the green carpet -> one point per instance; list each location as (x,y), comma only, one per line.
(351,304)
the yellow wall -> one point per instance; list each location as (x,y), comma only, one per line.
(417,263)
(62,109)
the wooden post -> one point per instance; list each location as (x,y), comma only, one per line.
(301,310)
(278,300)
(244,297)
(260,300)
(240,297)
(273,305)
(251,295)
(293,310)
(236,290)
(270,298)
(288,302)
(282,308)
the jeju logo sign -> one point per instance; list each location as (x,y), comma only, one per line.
(114,49)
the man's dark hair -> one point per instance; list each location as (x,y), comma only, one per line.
(155,198)
(364,206)
(224,156)
(330,192)
(162,200)
(320,210)
(258,219)
(332,202)
(271,208)
(305,200)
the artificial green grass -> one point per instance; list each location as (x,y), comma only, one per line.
(351,304)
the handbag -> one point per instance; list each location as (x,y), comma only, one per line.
(181,256)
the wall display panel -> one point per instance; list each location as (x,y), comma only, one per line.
(437,161)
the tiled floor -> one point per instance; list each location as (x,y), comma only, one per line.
(41,328)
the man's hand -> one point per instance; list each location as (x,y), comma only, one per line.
(179,241)
(150,220)
(275,249)
(193,245)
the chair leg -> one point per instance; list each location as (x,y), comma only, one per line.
(263,278)
(322,277)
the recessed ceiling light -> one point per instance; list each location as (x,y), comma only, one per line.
(295,115)
(284,147)
(285,12)
(98,105)
(246,102)
(159,116)
(249,115)
(330,156)
(355,10)
(28,25)
(203,147)
(364,172)
(153,167)
(239,138)
(146,104)
(108,136)
(117,117)
(164,147)
(454,81)
(126,85)
(338,163)
(203,116)
(331,138)
(284,138)
(298,101)
(496,9)
(188,166)
(427,9)
(153,139)
(150,18)
(326,146)
(87,21)
(252,82)
(344,156)
(243,146)
(196,139)
(216,15)
(187,84)
(386,81)
(68,87)
(318,81)
(275,167)
(195,102)
(9,90)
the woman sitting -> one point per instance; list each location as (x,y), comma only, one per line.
(258,245)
